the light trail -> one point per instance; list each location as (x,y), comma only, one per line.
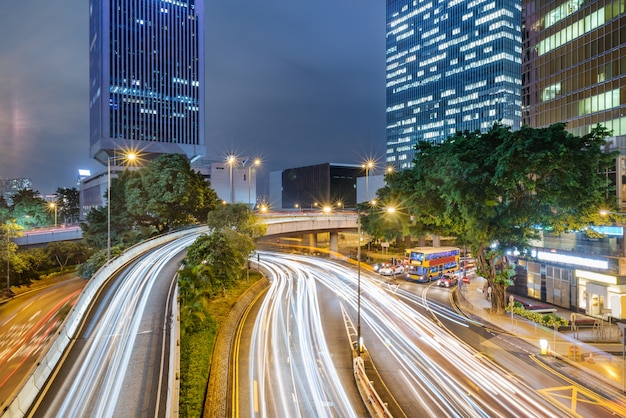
(291,363)
(97,378)
(295,372)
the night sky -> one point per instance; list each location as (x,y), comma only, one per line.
(294,82)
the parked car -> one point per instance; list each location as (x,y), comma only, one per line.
(391,270)
(447,280)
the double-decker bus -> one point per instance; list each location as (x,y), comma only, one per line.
(424,263)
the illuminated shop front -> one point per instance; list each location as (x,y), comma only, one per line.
(589,284)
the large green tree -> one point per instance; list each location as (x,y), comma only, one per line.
(11,265)
(494,190)
(170,193)
(30,209)
(164,194)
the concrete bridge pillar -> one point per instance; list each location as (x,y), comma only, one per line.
(334,243)
(311,240)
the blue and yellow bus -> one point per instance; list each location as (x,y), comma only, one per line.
(424,263)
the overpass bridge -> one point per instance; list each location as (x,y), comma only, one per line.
(305,225)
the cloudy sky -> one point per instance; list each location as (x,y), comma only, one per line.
(294,82)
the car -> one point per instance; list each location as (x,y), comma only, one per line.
(391,270)
(447,280)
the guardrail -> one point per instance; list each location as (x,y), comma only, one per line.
(29,391)
(375,406)
(173,392)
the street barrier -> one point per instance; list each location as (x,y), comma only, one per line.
(374,404)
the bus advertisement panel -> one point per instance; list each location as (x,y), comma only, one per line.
(424,263)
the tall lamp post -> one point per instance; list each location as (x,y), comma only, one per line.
(368,165)
(390,210)
(256,163)
(231,160)
(127,157)
(358,269)
(53,205)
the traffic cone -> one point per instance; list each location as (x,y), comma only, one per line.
(590,359)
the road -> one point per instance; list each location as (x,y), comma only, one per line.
(27,325)
(290,362)
(117,366)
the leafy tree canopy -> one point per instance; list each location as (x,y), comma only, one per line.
(30,209)
(238,217)
(498,187)
(68,204)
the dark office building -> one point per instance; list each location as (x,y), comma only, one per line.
(320,185)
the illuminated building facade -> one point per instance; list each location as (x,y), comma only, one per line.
(574,71)
(450,66)
(146,77)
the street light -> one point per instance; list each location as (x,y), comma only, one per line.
(256,163)
(53,205)
(231,160)
(131,156)
(389,209)
(358,269)
(368,165)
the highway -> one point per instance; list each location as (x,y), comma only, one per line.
(294,361)
(118,364)
(27,326)
(286,367)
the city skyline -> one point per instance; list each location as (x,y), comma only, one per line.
(286,82)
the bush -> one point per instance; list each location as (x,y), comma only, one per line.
(547,320)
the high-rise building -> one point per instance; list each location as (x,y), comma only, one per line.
(574,71)
(146,77)
(451,66)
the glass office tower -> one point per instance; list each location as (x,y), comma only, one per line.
(451,66)
(574,71)
(574,64)
(146,77)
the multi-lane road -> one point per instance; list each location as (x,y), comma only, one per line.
(432,360)
(118,364)
(294,351)
(27,325)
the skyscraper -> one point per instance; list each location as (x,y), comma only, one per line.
(574,70)
(146,77)
(574,64)
(451,66)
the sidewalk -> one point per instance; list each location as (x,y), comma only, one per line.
(596,350)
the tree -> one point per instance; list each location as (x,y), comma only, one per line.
(170,192)
(64,252)
(493,190)
(10,262)
(30,209)
(236,216)
(68,204)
